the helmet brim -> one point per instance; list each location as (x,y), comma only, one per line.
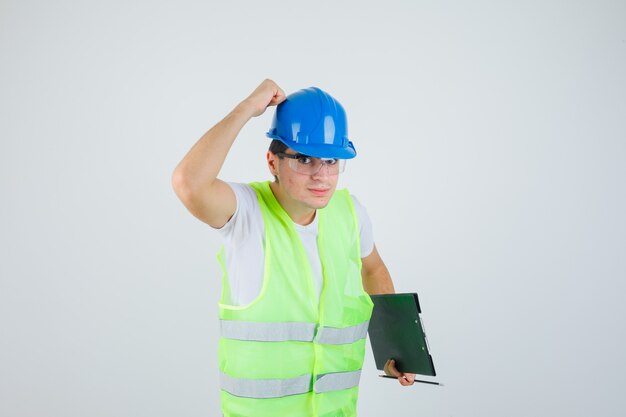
(319,151)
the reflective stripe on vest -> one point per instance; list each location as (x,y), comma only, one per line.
(340,336)
(274,388)
(337,381)
(284,331)
(294,351)
(265,388)
(267,332)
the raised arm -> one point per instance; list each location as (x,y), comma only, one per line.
(195,178)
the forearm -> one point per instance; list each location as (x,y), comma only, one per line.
(375,275)
(200,167)
(378,283)
(195,178)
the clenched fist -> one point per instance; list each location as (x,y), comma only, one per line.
(267,94)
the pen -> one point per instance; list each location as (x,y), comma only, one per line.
(416,380)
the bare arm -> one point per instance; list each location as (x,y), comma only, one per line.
(195,178)
(377,280)
(376,277)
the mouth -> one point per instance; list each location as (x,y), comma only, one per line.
(319,191)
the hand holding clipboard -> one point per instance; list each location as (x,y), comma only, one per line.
(398,340)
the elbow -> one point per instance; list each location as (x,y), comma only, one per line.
(189,189)
(181,185)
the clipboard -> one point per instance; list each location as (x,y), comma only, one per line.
(396,332)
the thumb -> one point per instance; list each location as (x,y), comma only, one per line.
(279,97)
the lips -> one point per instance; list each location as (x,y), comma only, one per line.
(319,191)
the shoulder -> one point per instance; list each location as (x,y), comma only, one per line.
(358,207)
(360,211)
(365,227)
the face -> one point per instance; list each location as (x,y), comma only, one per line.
(310,191)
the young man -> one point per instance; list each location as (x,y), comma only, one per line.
(299,260)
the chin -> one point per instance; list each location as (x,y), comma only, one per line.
(319,204)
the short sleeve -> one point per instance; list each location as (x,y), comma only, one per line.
(240,225)
(365,228)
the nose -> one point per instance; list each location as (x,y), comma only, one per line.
(323,171)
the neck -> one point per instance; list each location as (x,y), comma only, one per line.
(299,213)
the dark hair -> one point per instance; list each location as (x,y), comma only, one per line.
(277,147)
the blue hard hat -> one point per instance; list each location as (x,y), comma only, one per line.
(312,122)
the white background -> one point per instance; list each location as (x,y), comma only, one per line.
(492,157)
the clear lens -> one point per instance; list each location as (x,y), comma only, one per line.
(310,166)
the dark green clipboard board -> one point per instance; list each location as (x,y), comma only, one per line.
(396,332)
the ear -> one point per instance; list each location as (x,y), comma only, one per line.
(272,163)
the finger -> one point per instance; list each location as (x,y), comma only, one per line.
(275,101)
(269,92)
(279,97)
(392,369)
(407,379)
(386,368)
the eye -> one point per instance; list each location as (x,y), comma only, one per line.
(304,160)
(330,161)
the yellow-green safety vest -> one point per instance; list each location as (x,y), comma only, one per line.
(288,353)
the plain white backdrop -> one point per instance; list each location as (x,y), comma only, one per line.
(492,157)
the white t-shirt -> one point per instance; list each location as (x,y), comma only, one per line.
(244,236)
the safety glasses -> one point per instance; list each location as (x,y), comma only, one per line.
(309,165)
